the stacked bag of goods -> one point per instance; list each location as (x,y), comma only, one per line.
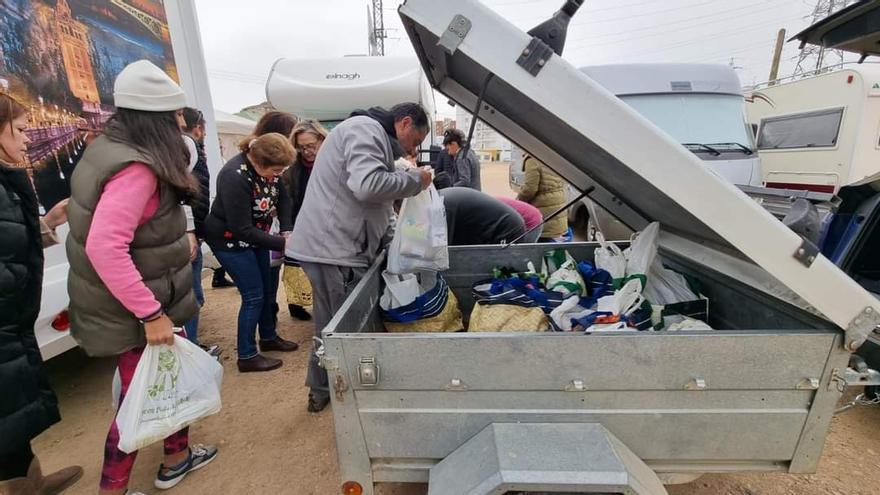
(513,302)
(420,302)
(416,298)
(625,290)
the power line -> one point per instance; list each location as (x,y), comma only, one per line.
(714,37)
(690,20)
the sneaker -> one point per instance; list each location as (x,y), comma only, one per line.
(199,457)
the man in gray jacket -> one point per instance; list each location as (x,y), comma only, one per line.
(346,212)
(465,169)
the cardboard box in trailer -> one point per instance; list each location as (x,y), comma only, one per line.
(491,413)
(65,75)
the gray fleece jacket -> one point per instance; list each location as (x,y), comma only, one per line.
(347,207)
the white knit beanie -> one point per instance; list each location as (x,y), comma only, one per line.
(143,86)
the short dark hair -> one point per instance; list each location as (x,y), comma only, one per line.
(275,121)
(413,111)
(193,118)
(453,136)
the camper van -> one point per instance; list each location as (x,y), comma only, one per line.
(700,105)
(329,89)
(819,133)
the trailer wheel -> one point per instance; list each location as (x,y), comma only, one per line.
(871,392)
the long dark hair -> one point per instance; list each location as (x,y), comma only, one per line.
(157,135)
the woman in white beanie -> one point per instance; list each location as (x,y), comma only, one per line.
(130,279)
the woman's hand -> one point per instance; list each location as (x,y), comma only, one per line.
(159,331)
(193,246)
(57,215)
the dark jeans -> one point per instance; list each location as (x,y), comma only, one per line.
(192,326)
(250,271)
(15,464)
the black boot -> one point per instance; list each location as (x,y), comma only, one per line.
(220,281)
(299,312)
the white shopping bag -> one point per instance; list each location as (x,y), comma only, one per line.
(173,387)
(641,253)
(420,239)
(666,286)
(610,258)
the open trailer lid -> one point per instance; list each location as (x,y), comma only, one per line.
(640,174)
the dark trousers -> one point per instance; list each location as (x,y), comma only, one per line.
(15,464)
(331,285)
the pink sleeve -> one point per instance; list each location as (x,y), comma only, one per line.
(126,200)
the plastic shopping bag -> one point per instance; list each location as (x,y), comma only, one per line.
(641,253)
(610,258)
(420,240)
(173,387)
(561,273)
(666,286)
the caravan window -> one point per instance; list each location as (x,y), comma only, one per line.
(803,130)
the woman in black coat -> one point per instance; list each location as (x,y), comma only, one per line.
(307,138)
(27,403)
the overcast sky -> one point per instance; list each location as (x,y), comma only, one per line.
(242,40)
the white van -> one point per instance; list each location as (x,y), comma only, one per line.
(700,105)
(819,133)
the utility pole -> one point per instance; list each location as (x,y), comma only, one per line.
(811,53)
(377,28)
(777,55)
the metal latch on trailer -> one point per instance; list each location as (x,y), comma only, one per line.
(368,372)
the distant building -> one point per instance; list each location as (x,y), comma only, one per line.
(74,41)
(254,112)
(487,143)
(440,126)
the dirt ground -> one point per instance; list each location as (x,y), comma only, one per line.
(270,444)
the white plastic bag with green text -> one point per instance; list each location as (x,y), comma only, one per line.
(173,387)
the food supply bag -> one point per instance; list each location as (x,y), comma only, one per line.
(420,239)
(173,386)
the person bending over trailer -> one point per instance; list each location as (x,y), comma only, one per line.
(474,218)
(344,220)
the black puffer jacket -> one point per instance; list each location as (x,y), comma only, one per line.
(27,404)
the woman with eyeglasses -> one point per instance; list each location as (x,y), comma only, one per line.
(249,196)
(307,137)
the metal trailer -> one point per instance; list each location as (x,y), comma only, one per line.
(568,412)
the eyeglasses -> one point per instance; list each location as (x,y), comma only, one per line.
(311,147)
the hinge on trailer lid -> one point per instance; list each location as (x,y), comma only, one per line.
(807,253)
(455,33)
(535,56)
(862,325)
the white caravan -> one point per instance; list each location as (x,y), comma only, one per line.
(819,133)
(329,89)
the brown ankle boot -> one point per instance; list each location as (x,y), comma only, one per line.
(18,486)
(54,483)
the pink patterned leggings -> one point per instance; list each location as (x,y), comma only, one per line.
(118,464)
